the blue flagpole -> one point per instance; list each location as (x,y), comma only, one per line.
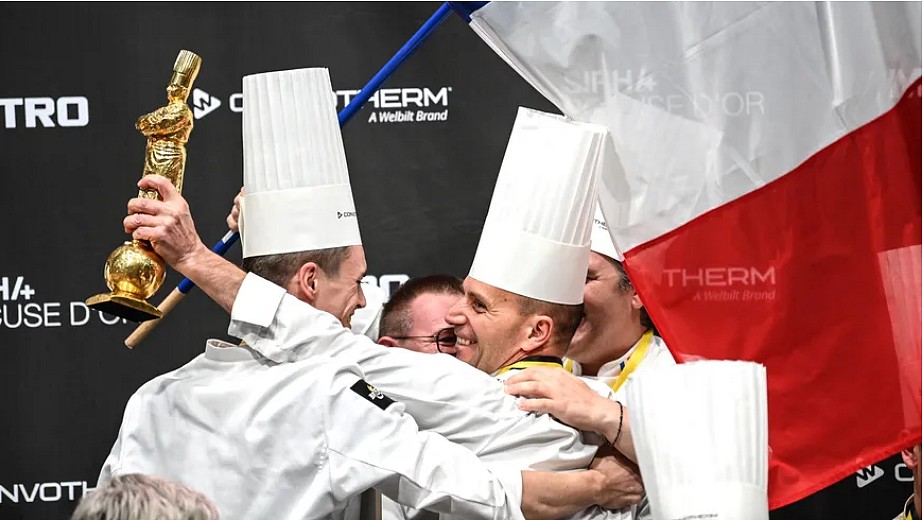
(356,104)
(422,34)
(222,246)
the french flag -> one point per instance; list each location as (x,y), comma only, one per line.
(764,184)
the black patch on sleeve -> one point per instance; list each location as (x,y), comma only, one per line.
(372,394)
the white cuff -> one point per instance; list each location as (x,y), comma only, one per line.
(512,480)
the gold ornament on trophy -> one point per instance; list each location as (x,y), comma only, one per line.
(134,272)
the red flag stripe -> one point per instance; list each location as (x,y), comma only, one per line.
(791,276)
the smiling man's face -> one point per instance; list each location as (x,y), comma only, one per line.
(489,326)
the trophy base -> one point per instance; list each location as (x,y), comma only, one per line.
(127,307)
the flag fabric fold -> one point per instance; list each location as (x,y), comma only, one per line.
(764,182)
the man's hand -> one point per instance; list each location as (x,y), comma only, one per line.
(564,396)
(622,480)
(169,227)
(166,223)
(235,214)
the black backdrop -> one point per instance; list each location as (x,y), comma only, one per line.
(74,79)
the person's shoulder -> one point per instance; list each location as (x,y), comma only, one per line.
(156,384)
(150,395)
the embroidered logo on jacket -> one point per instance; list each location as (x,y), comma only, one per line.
(372,394)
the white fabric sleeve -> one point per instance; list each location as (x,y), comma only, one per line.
(113,464)
(371,443)
(441,393)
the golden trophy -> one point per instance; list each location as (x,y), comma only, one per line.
(134,272)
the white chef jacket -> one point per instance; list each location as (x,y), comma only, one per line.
(444,395)
(441,393)
(393,511)
(297,441)
(657,356)
(640,511)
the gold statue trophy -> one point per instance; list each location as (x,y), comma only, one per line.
(134,272)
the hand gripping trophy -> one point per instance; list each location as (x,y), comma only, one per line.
(134,272)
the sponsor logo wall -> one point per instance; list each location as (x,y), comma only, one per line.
(423,156)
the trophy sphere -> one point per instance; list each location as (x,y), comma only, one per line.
(134,269)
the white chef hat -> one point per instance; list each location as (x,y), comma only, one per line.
(297,193)
(700,433)
(600,240)
(536,238)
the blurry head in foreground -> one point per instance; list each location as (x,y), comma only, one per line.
(141,497)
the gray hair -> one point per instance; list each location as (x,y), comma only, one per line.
(142,497)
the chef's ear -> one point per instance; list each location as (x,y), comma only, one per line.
(388,341)
(539,333)
(304,286)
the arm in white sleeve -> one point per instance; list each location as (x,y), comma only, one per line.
(372,443)
(442,394)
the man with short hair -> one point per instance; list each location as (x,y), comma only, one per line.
(414,317)
(524,293)
(500,331)
(141,497)
(321,284)
(328,279)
